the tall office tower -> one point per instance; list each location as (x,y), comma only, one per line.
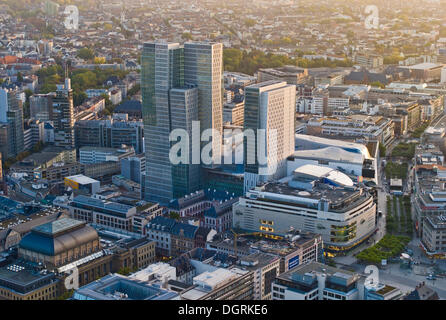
(41,106)
(162,69)
(63,116)
(184,110)
(269,106)
(203,67)
(178,83)
(11,116)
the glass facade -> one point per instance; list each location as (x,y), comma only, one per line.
(179,85)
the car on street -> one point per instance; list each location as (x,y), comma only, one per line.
(431,277)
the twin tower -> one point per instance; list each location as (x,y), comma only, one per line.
(179,84)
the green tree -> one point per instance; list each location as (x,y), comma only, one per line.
(382,150)
(19,77)
(174,215)
(377,84)
(186,36)
(85,53)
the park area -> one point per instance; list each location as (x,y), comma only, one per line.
(396,170)
(404,150)
(389,246)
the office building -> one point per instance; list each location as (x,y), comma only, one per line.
(269,106)
(82,184)
(113,215)
(382,292)
(155,86)
(63,116)
(119,287)
(94,155)
(369,61)
(110,134)
(234,112)
(221,284)
(316,281)
(33,133)
(266,267)
(184,110)
(294,249)
(428,201)
(27,281)
(11,119)
(203,67)
(41,106)
(289,74)
(133,167)
(166,99)
(434,234)
(425,72)
(363,127)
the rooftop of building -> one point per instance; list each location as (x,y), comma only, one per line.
(423,66)
(118,287)
(341,199)
(331,154)
(284,71)
(117,151)
(58,236)
(219,208)
(316,172)
(81,179)
(209,281)
(103,204)
(304,141)
(129,106)
(257,260)
(269,85)
(306,271)
(24,273)
(438,221)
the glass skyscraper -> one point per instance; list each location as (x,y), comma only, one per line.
(269,106)
(179,84)
(63,116)
(161,70)
(203,66)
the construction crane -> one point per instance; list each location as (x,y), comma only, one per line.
(256,233)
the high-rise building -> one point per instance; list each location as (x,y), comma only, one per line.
(63,116)
(41,106)
(203,66)
(11,115)
(161,70)
(270,107)
(178,83)
(184,110)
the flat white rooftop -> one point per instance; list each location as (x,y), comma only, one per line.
(81,179)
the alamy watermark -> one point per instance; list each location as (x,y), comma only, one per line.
(186,149)
(372,20)
(71,21)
